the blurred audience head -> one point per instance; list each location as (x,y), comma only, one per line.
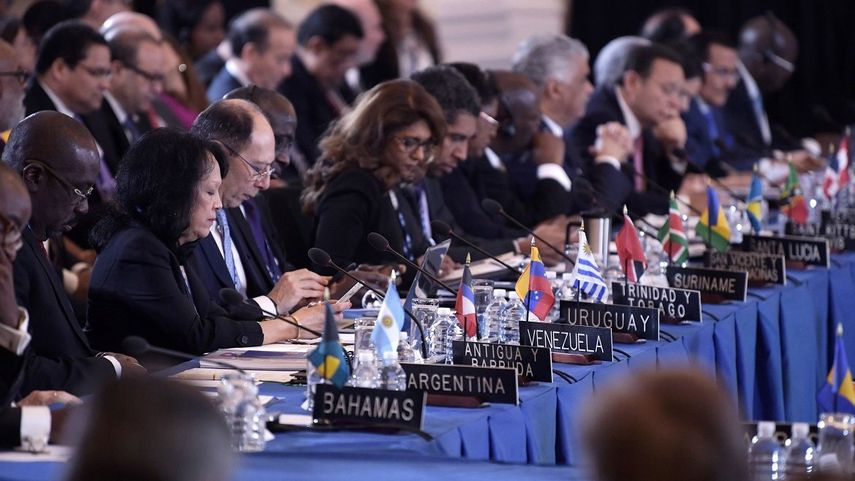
(372,28)
(279,112)
(558,65)
(653,84)
(138,72)
(719,60)
(519,112)
(248,142)
(198,25)
(670,24)
(461,106)
(95,12)
(263,43)
(692,70)
(40,17)
(391,131)
(674,424)
(329,40)
(126,20)
(150,428)
(769,50)
(15,210)
(611,61)
(74,62)
(485,86)
(59,162)
(13,79)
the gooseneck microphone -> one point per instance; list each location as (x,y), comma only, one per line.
(322,258)
(684,156)
(442,228)
(494,208)
(589,188)
(665,191)
(235,298)
(380,243)
(137,346)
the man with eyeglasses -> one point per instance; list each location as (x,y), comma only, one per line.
(58,161)
(230,257)
(630,140)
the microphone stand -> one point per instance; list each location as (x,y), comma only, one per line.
(447,230)
(497,208)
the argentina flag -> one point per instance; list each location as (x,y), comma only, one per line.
(586,274)
(390,320)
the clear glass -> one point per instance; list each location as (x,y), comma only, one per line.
(835,448)
(483,290)
(425,311)
(362,328)
(244,413)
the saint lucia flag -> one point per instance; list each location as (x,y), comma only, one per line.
(754,207)
(390,320)
(533,287)
(838,394)
(712,226)
(586,273)
(328,357)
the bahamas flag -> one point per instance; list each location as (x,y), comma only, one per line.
(712,226)
(754,205)
(390,320)
(534,288)
(328,357)
(838,394)
(465,304)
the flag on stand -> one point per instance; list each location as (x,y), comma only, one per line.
(793,203)
(712,226)
(465,305)
(837,171)
(672,234)
(838,393)
(754,204)
(390,320)
(629,250)
(586,275)
(534,288)
(328,357)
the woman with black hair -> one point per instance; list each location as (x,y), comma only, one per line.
(167,197)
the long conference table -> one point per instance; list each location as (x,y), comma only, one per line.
(772,352)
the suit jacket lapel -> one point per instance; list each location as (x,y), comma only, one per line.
(253,262)
(213,256)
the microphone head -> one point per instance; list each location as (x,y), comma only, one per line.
(377,241)
(491,206)
(135,345)
(440,227)
(231,296)
(319,256)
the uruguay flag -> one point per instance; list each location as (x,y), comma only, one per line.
(534,288)
(465,305)
(586,273)
(838,393)
(328,357)
(390,320)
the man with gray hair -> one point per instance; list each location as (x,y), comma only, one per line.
(608,67)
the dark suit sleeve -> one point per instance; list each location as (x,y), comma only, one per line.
(465,204)
(10,427)
(343,219)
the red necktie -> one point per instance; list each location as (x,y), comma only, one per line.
(638,163)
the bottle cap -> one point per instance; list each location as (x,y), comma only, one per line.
(444,311)
(513,295)
(765,429)
(499,293)
(550,275)
(404,335)
(800,430)
(567,276)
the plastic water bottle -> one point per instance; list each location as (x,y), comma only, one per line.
(405,349)
(766,455)
(441,335)
(392,375)
(244,413)
(313,378)
(513,313)
(366,373)
(494,314)
(800,452)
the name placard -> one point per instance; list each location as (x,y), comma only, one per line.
(595,341)
(807,250)
(826,229)
(358,405)
(761,268)
(643,322)
(673,304)
(534,363)
(839,228)
(714,284)
(493,384)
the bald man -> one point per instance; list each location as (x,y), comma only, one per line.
(58,161)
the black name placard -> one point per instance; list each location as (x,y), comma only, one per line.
(839,228)
(596,342)
(673,304)
(806,250)
(761,268)
(492,384)
(714,284)
(533,363)
(357,405)
(830,231)
(642,322)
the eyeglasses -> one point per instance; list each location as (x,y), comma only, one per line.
(412,144)
(97,72)
(721,71)
(257,174)
(21,75)
(80,196)
(151,77)
(489,119)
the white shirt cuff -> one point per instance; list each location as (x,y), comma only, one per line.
(556,173)
(35,427)
(266,304)
(70,281)
(607,159)
(116,365)
(16,340)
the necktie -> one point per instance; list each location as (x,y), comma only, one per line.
(105,183)
(638,163)
(712,128)
(228,255)
(253,218)
(424,210)
(132,131)
(407,248)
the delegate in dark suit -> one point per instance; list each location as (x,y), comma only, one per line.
(59,356)
(613,187)
(137,289)
(222,84)
(36,99)
(708,143)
